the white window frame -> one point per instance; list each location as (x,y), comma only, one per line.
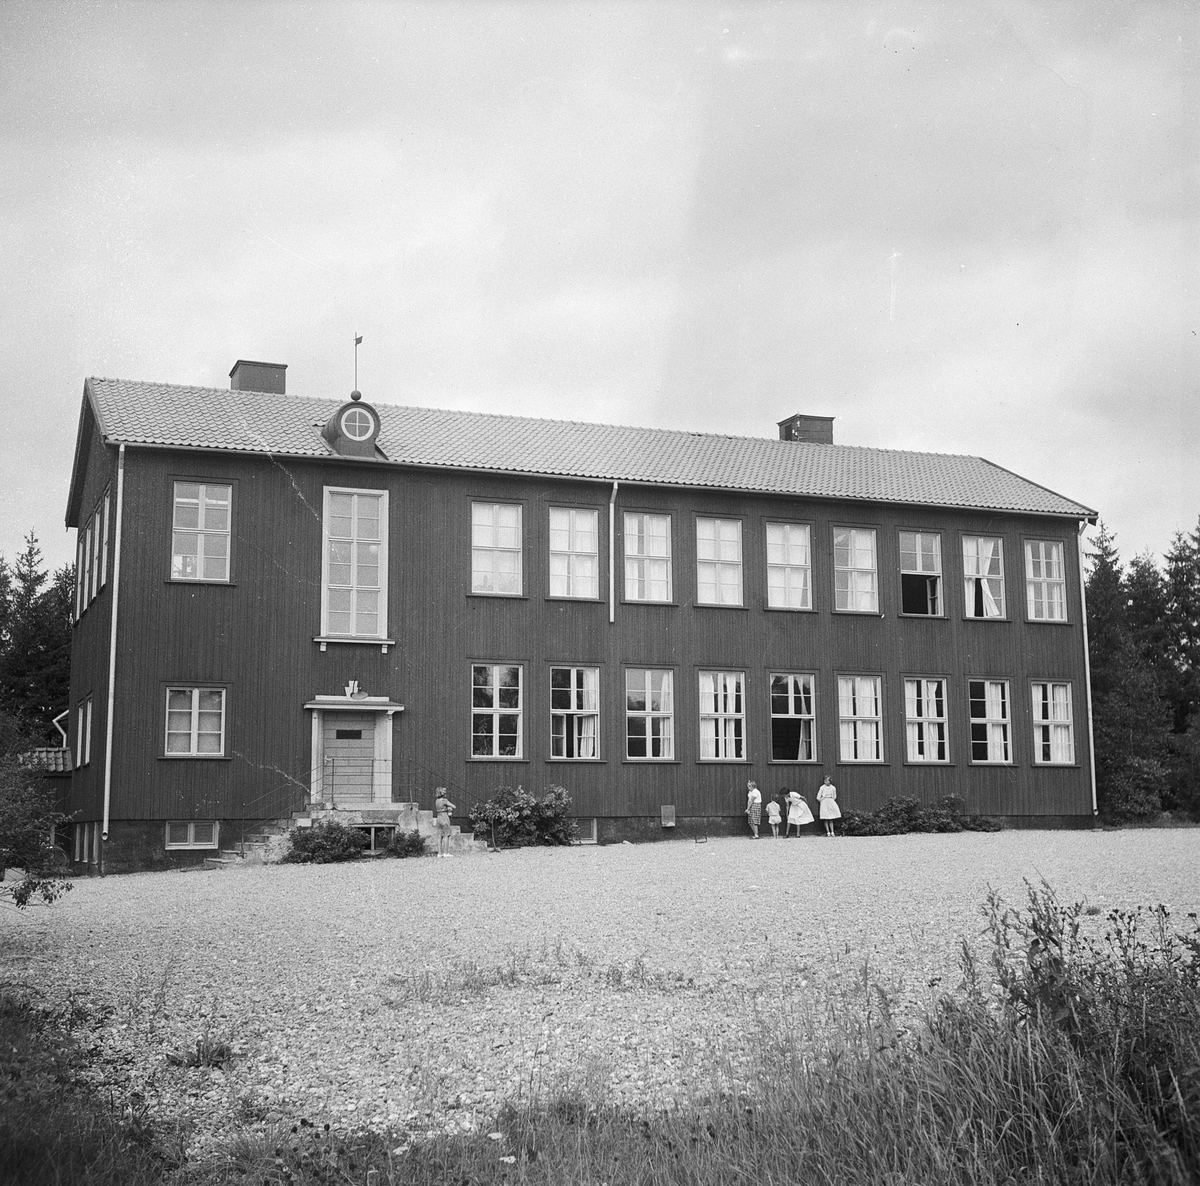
(926,735)
(1053,724)
(860,731)
(102,511)
(789,580)
(994,727)
(574,719)
(202,532)
(718,561)
(646,570)
(659,722)
(355,588)
(194,725)
(992,582)
(80,570)
(484,573)
(92,566)
(1045,580)
(494,711)
(855,585)
(722,716)
(83,734)
(579,585)
(191,841)
(796,696)
(931,576)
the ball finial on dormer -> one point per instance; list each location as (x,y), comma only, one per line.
(356,396)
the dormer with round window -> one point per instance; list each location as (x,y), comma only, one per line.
(352,429)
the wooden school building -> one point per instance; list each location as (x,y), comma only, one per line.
(287,604)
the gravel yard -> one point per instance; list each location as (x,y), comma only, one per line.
(420,993)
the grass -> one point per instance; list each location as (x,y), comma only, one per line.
(1067,1059)
(53,1130)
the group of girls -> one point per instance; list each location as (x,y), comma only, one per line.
(794,807)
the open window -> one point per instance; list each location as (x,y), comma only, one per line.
(983,576)
(921,573)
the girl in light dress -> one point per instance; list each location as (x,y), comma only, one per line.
(827,797)
(799,812)
(753,806)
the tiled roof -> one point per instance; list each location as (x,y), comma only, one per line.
(52,759)
(288,425)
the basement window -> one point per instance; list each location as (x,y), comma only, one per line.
(381,835)
(587,831)
(192,834)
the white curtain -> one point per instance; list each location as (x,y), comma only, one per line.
(586,739)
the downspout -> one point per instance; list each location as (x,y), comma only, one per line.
(1087,670)
(112,651)
(612,560)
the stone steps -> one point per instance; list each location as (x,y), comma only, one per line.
(267,843)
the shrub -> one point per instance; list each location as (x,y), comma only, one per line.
(326,842)
(517,819)
(1133,792)
(407,844)
(27,815)
(1182,794)
(899,816)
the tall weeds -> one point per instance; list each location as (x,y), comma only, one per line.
(1062,1058)
(1066,1060)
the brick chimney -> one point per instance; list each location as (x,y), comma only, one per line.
(810,430)
(258,376)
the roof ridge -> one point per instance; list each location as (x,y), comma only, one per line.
(198,387)
(513,416)
(683,432)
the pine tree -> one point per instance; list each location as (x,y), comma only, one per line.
(1181,649)
(1147,616)
(1129,716)
(5,605)
(1183,625)
(35,642)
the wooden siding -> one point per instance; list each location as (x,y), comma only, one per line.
(254,637)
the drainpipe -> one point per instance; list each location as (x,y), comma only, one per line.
(112,651)
(612,560)
(1087,669)
(66,712)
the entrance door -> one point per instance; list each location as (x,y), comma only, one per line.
(349,751)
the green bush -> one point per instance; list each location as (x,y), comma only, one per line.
(899,816)
(27,817)
(1133,791)
(325,843)
(517,819)
(407,844)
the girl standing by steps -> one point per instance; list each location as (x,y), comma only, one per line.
(827,797)
(442,807)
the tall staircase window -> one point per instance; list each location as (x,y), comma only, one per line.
(354,588)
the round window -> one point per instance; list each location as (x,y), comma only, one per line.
(358,424)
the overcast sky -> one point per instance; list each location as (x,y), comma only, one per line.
(956,228)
